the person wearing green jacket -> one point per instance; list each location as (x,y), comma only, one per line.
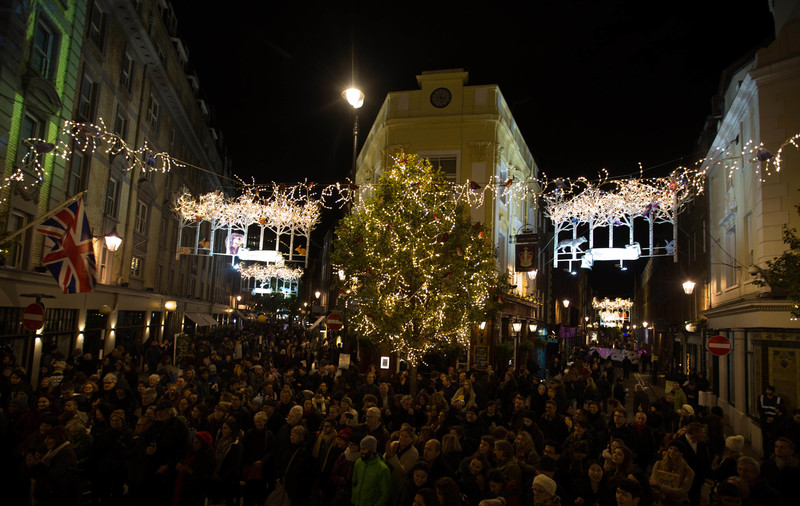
(372,479)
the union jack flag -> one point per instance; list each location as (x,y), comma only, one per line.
(69,254)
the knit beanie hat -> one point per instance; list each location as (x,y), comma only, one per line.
(689,410)
(546,483)
(369,443)
(735,443)
(345,433)
(204,437)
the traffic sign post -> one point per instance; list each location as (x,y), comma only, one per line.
(719,345)
(33,317)
(334,321)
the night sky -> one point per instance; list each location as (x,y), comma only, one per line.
(592,85)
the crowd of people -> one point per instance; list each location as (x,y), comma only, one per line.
(267,414)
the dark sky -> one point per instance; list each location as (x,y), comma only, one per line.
(592,85)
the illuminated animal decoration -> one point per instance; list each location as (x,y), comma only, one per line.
(233,242)
(670,247)
(574,245)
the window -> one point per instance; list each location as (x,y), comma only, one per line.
(126,77)
(112,198)
(136,267)
(447,164)
(152,112)
(730,264)
(121,123)
(102,265)
(78,172)
(97,26)
(16,249)
(44,51)
(141,218)
(87,99)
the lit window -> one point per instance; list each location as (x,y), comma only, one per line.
(136,267)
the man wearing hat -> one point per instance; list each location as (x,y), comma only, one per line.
(372,479)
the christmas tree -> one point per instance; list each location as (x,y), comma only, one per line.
(419,275)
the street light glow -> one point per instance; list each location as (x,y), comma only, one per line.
(688,287)
(566,303)
(354,97)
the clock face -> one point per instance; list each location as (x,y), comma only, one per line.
(441,97)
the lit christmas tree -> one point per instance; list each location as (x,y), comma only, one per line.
(419,275)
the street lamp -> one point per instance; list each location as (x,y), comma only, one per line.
(516,326)
(113,240)
(688,287)
(645,324)
(482,326)
(566,303)
(355,98)
(317,294)
(532,327)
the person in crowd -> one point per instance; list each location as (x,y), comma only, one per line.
(544,491)
(695,452)
(759,491)
(54,470)
(734,446)
(782,470)
(768,409)
(629,493)
(372,479)
(672,477)
(195,472)
(591,488)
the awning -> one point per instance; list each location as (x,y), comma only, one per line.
(316,323)
(201,319)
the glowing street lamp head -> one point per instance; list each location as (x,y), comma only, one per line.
(354,97)
(317,294)
(517,326)
(688,287)
(532,327)
(113,240)
(566,303)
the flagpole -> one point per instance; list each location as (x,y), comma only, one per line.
(42,218)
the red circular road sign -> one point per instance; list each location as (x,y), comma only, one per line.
(719,345)
(334,321)
(33,317)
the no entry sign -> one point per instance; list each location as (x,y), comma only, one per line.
(334,321)
(719,345)
(33,317)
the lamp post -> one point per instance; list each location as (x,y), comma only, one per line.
(355,98)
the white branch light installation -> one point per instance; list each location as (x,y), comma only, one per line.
(613,313)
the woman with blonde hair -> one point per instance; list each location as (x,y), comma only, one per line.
(672,477)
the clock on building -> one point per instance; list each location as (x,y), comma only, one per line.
(441,97)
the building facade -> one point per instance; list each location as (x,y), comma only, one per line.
(468,132)
(120,63)
(750,203)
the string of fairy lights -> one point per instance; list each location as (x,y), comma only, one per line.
(296,208)
(683,182)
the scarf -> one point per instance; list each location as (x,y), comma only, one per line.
(318,444)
